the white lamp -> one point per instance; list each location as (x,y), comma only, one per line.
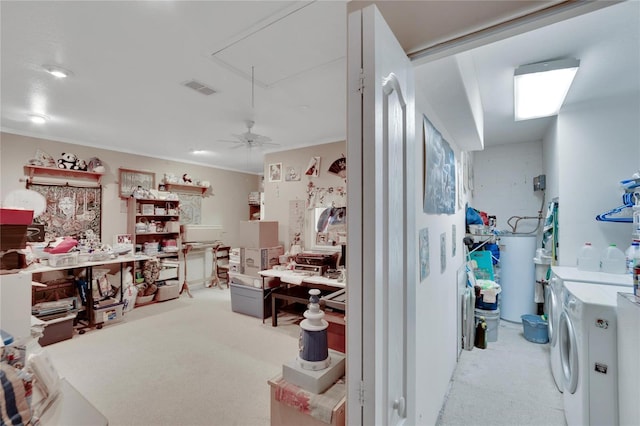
(540,88)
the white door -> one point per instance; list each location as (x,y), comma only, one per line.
(381,241)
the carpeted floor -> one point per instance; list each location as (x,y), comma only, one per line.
(151,369)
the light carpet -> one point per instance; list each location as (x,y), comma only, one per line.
(180,362)
(510,383)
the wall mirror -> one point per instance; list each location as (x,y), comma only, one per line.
(326,228)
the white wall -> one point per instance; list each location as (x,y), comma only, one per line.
(503,187)
(278,194)
(436,297)
(597,146)
(226,207)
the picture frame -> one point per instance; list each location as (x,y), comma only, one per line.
(130,179)
(275,172)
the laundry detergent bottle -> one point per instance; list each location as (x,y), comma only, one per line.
(588,258)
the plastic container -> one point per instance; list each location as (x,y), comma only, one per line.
(630,254)
(613,260)
(588,258)
(493,321)
(536,329)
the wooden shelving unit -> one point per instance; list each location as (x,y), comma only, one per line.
(167,220)
(33,171)
(177,187)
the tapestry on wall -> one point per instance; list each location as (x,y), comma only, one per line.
(70,211)
(190,209)
(440,172)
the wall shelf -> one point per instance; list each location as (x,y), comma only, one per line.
(33,171)
(177,187)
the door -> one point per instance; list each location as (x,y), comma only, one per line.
(380,147)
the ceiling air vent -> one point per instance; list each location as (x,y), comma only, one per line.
(199,87)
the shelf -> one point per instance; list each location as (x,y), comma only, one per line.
(139,234)
(176,187)
(32,171)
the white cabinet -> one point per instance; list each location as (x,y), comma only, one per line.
(15,304)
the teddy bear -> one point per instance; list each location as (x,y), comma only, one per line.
(80,165)
(95,165)
(68,161)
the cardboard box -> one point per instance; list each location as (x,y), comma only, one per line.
(258,233)
(262,258)
(13,237)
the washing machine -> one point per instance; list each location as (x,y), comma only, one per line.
(587,338)
(553,305)
(628,358)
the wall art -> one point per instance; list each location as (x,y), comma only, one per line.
(440,172)
(313,168)
(423,247)
(275,172)
(131,179)
(339,167)
(190,209)
(70,211)
(292,174)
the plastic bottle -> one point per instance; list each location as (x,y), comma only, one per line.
(631,253)
(613,260)
(588,258)
(481,333)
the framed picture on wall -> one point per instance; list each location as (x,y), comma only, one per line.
(292,174)
(275,172)
(132,179)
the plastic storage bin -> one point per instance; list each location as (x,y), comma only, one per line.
(493,321)
(491,304)
(536,329)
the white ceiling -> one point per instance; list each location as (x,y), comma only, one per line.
(130,60)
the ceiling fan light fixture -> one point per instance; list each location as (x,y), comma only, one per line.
(540,88)
(57,71)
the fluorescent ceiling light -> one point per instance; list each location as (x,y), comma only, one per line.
(37,118)
(540,88)
(57,71)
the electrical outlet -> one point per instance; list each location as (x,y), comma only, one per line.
(540,183)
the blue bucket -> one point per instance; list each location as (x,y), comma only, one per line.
(536,329)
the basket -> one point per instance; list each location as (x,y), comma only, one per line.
(536,329)
(143,300)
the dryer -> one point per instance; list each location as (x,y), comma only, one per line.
(553,299)
(588,353)
(553,305)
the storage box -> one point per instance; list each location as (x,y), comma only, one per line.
(246,280)
(252,301)
(171,290)
(57,330)
(167,273)
(262,258)
(13,237)
(15,216)
(63,259)
(107,314)
(258,233)
(235,267)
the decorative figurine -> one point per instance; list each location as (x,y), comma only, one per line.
(313,345)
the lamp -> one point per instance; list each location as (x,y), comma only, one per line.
(540,88)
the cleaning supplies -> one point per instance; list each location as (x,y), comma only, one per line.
(588,258)
(613,260)
(631,253)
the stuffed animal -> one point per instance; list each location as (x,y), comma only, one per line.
(68,161)
(95,165)
(80,165)
(186,178)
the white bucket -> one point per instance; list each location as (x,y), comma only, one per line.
(493,321)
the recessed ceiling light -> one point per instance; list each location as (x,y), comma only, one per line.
(38,118)
(57,71)
(198,151)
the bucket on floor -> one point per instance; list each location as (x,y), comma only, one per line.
(535,328)
(493,321)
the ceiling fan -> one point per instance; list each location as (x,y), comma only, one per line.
(249,139)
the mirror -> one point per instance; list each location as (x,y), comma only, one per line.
(327,228)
